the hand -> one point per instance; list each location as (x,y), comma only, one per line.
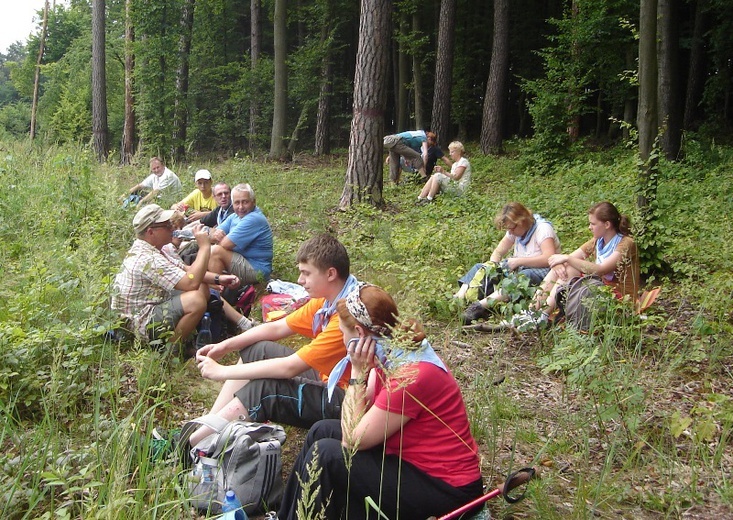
(361,354)
(201,233)
(512,263)
(217,236)
(178,207)
(561,272)
(438,169)
(229,280)
(209,368)
(214,351)
(557,259)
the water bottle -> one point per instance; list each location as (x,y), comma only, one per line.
(232,507)
(183,234)
(204,337)
(205,469)
(271,515)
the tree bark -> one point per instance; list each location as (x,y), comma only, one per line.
(37,77)
(670,108)
(696,70)
(647,113)
(440,120)
(279,115)
(254,53)
(492,123)
(127,150)
(323,116)
(100,131)
(364,173)
(417,76)
(403,71)
(180,104)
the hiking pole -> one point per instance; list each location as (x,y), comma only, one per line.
(514,480)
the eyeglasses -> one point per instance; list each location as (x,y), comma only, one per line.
(222,193)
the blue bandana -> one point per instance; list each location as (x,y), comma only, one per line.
(396,358)
(604,250)
(524,240)
(320,319)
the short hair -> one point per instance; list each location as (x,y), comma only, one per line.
(218,185)
(457,145)
(325,251)
(431,137)
(156,158)
(607,212)
(178,220)
(244,187)
(513,214)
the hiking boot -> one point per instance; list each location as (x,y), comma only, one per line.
(475,312)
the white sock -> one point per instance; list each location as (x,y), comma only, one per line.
(244,323)
(430,198)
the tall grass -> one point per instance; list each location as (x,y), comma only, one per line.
(633,420)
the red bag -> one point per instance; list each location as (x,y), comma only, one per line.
(277,306)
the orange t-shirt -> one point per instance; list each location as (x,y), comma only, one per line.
(327,348)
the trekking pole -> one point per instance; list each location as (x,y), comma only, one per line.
(514,480)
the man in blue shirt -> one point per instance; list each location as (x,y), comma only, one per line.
(244,240)
(412,145)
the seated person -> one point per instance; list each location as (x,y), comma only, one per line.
(160,181)
(200,202)
(223,196)
(434,153)
(610,254)
(271,382)
(533,240)
(244,240)
(156,294)
(456,181)
(411,145)
(403,438)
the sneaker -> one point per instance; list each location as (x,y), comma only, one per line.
(527,321)
(163,442)
(475,312)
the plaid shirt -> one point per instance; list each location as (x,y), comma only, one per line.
(147,278)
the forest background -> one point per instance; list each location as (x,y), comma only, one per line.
(633,421)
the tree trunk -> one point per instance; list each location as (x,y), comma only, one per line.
(573,95)
(322,138)
(492,123)
(403,71)
(629,102)
(99,82)
(37,77)
(696,72)
(254,53)
(127,150)
(279,113)
(647,113)
(417,76)
(180,104)
(364,173)
(440,120)
(670,109)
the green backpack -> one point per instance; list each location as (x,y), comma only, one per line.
(483,282)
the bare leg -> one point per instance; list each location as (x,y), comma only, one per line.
(220,259)
(234,409)
(194,305)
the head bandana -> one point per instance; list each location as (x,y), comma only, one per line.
(360,313)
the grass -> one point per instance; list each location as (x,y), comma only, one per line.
(631,421)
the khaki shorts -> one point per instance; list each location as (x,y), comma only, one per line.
(243,269)
(165,316)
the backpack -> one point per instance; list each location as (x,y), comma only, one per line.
(241,299)
(215,308)
(579,299)
(243,456)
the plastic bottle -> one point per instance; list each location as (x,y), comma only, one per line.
(232,507)
(204,337)
(271,515)
(183,234)
(205,471)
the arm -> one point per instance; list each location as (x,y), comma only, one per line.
(271,331)
(608,266)
(424,152)
(149,196)
(501,249)
(447,161)
(275,368)
(548,249)
(197,215)
(196,272)
(456,175)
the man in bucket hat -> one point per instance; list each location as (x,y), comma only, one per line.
(157,294)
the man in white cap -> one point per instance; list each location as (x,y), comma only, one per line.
(201,201)
(156,294)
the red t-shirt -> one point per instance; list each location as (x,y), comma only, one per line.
(327,348)
(437,438)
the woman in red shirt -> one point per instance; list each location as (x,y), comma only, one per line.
(403,439)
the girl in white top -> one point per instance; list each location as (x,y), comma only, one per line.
(456,180)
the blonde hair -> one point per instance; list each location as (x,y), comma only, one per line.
(457,145)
